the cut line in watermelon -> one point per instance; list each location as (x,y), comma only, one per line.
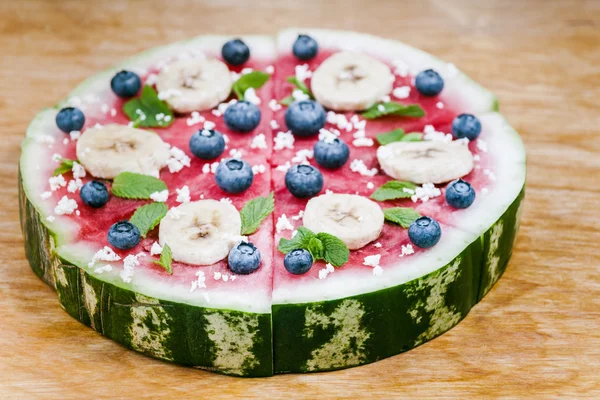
(271,321)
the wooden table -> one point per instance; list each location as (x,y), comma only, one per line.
(537,334)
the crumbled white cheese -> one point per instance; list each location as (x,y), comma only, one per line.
(274,124)
(200,281)
(284,167)
(74,135)
(216,275)
(476,157)
(302,156)
(363,142)
(378,245)
(283,223)
(431,134)
(65,206)
(381,108)
(45,139)
(104,254)
(56,157)
(373,260)
(274,105)
(235,153)
(489,174)
(299,216)
(104,268)
(259,142)
(327,136)
(370,185)
(299,95)
(74,185)
(283,140)
(161,196)
(50,218)
(195,118)
(57,182)
(377,271)
(183,194)
(66,141)
(327,191)
(326,271)
(251,96)
(358,165)
(209,125)
(178,159)
(464,141)
(155,249)
(302,72)
(259,169)
(425,192)
(129,264)
(439,105)
(269,69)
(226,200)
(46,195)
(407,250)
(401,92)
(225,278)
(78,170)
(151,79)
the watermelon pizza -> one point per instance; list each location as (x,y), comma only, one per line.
(254,205)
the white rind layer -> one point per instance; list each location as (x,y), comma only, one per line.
(459,90)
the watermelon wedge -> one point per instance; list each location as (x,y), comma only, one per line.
(271,321)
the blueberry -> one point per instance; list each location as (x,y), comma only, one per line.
(242,116)
(305,117)
(429,83)
(331,155)
(123,235)
(70,119)
(304,180)
(305,47)
(94,194)
(466,126)
(235,52)
(460,194)
(207,144)
(424,232)
(298,261)
(234,176)
(126,84)
(244,258)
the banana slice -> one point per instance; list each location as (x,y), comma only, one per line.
(349,81)
(354,219)
(111,149)
(425,162)
(194,85)
(202,233)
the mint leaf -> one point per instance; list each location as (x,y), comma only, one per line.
(65,166)
(299,241)
(254,212)
(130,185)
(335,252)
(315,247)
(254,79)
(299,85)
(392,108)
(321,246)
(393,190)
(166,258)
(412,137)
(401,216)
(148,216)
(390,137)
(148,111)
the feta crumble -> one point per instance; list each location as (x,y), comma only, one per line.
(431,134)
(259,142)
(363,142)
(57,182)
(104,254)
(327,136)
(372,261)
(161,196)
(482,145)
(155,249)
(377,271)
(274,105)
(283,223)
(407,250)
(251,96)
(299,95)
(302,156)
(74,185)
(302,72)
(401,92)
(425,192)
(195,118)
(174,213)
(65,206)
(46,195)
(178,159)
(183,194)
(358,165)
(199,282)
(259,169)
(283,140)
(370,185)
(78,170)
(274,124)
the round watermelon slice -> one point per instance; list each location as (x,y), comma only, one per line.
(389,297)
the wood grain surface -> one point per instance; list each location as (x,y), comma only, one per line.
(536,335)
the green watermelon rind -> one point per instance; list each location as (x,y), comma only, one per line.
(298,337)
